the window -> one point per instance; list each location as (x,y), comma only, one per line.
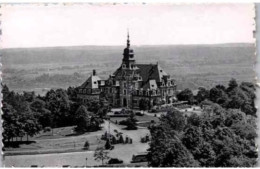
(152,85)
(80,90)
(136,85)
(160,70)
(123,66)
(95,82)
(125,92)
(124,84)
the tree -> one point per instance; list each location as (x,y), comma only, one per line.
(166,150)
(108,144)
(83,119)
(121,139)
(232,84)
(144,104)
(57,101)
(174,119)
(219,96)
(131,122)
(10,119)
(186,95)
(86,145)
(43,115)
(202,94)
(101,154)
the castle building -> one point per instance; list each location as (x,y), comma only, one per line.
(130,83)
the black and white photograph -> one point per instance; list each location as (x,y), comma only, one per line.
(129,85)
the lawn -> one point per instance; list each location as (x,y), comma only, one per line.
(62,138)
(121,151)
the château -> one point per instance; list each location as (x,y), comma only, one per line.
(130,83)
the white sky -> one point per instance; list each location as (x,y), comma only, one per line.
(77,25)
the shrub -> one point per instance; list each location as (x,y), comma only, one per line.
(46,129)
(115,161)
(86,145)
(121,139)
(123,122)
(108,144)
(139,114)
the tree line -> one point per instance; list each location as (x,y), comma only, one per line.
(222,136)
(27,114)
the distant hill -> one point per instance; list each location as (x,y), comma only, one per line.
(106,53)
(191,65)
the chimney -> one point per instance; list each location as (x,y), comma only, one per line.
(94,72)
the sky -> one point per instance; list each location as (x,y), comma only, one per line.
(26,26)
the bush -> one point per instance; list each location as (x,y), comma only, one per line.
(121,139)
(115,161)
(139,114)
(86,145)
(47,129)
(113,141)
(108,144)
(123,122)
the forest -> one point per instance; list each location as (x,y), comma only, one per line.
(27,114)
(223,136)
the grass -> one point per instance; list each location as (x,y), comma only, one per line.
(54,158)
(46,142)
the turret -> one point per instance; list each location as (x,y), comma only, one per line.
(128,59)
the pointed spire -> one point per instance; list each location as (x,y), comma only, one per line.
(128,39)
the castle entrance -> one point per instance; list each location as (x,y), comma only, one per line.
(124,102)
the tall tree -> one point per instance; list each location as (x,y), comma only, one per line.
(186,95)
(83,119)
(202,94)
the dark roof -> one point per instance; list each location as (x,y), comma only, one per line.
(91,82)
(150,71)
(146,71)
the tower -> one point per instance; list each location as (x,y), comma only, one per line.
(128,59)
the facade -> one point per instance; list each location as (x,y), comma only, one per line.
(130,83)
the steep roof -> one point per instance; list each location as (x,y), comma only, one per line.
(91,82)
(151,84)
(150,71)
